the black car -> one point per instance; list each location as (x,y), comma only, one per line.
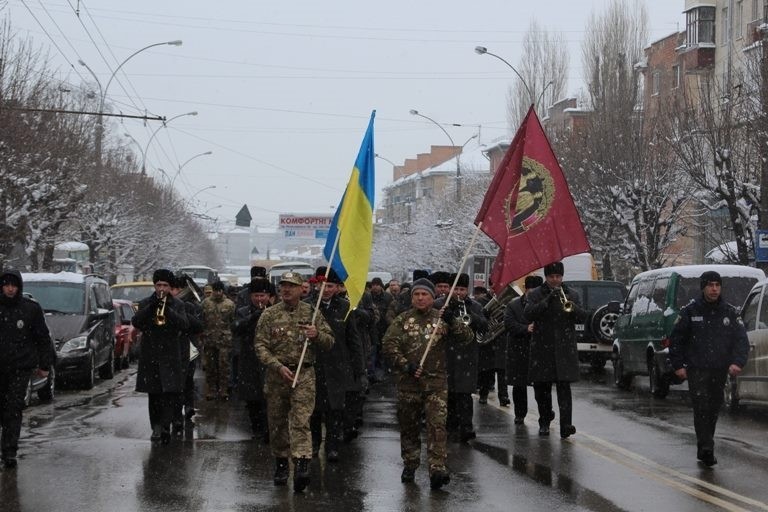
(78,311)
(602,301)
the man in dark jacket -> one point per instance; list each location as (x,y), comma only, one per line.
(162,320)
(519,330)
(25,346)
(709,342)
(554,354)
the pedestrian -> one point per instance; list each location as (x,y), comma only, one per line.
(252,372)
(163,321)
(336,370)
(280,336)
(25,349)
(492,361)
(423,389)
(554,311)
(244,295)
(708,343)
(518,331)
(381,299)
(218,315)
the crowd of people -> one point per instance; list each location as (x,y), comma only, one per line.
(302,360)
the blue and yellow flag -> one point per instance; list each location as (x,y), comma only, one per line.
(353,223)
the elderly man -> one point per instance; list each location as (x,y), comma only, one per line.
(423,388)
(281,334)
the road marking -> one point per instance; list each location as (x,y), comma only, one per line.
(653,467)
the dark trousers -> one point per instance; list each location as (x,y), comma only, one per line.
(543,393)
(13,386)
(257,413)
(459,418)
(486,382)
(520,400)
(353,410)
(706,389)
(186,399)
(162,407)
(334,420)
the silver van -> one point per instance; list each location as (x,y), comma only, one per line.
(752,383)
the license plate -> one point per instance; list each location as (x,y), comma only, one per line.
(579,327)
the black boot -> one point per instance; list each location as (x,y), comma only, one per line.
(439,478)
(567,431)
(281,471)
(300,474)
(408,475)
(156,431)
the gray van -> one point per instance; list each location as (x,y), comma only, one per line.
(752,383)
(655,297)
(78,311)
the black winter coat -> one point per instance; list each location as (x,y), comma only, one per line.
(554,354)
(161,360)
(461,359)
(25,342)
(708,335)
(519,342)
(252,372)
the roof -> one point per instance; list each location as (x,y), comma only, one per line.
(695,271)
(57,277)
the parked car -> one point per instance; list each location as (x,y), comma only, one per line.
(655,297)
(752,382)
(45,387)
(125,333)
(78,310)
(594,338)
(133,291)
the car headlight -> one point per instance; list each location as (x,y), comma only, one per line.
(77,343)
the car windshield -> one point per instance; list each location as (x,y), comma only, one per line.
(132,293)
(735,290)
(67,298)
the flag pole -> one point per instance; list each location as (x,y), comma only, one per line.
(450,293)
(317,308)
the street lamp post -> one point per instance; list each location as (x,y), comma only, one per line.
(458,155)
(103,92)
(482,50)
(209,187)
(152,137)
(185,163)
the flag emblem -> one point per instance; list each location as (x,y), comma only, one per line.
(534,194)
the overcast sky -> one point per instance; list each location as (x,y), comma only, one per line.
(284,89)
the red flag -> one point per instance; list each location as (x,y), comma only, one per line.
(528,210)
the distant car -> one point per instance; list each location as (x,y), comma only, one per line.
(133,291)
(78,311)
(752,383)
(125,333)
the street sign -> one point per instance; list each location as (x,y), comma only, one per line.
(761,247)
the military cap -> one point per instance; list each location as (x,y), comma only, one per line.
(292,278)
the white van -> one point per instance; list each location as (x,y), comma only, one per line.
(752,382)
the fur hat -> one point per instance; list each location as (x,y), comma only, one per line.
(463,280)
(710,276)
(259,285)
(258,272)
(533,282)
(333,277)
(440,277)
(163,274)
(217,286)
(556,267)
(423,284)
(418,274)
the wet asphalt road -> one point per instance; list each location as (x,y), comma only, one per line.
(90,451)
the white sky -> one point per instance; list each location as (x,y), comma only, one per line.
(284,89)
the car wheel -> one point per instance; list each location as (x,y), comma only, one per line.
(603,323)
(48,392)
(620,379)
(90,377)
(28,393)
(107,370)
(658,384)
(731,394)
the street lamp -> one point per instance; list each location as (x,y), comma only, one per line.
(151,138)
(209,187)
(458,163)
(103,92)
(482,50)
(185,163)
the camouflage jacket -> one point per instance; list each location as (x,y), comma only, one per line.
(279,339)
(217,319)
(407,338)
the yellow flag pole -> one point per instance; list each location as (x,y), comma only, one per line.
(317,308)
(450,294)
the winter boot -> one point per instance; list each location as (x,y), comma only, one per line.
(439,478)
(300,474)
(281,471)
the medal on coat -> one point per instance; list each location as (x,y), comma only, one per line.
(20,324)
(726,321)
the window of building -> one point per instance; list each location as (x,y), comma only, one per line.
(700,26)
(724,26)
(756,9)
(656,86)
(675,77)
(738,29)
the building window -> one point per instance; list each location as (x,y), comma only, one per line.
(739,21)
(656,86)
(756,9)
(724,27)
(700,26)
(675,77)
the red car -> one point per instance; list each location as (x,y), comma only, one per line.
(126,335)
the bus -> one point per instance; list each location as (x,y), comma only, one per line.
(201,274)
(278,269)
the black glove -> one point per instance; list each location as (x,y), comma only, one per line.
(412,368)
(449,314)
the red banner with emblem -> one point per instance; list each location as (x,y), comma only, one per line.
(528,210)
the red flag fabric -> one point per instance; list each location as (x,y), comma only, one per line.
(528,210)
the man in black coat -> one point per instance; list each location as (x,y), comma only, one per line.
(519,330)
(25,347)
(252,371)
(554,354)
(163,321)
(709,342)
(336,370)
